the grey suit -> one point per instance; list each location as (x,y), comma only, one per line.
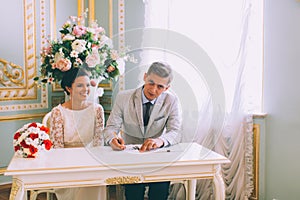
(127,114)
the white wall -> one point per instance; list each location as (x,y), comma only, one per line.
(282,98)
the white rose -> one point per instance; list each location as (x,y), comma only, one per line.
(74,54)
(79,45)
(27,151)
(29,141)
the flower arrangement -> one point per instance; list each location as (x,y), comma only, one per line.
(81,46)
(30,139)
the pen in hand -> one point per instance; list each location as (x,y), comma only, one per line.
(117,142)
(116,136)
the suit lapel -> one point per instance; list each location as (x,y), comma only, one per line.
(139,108)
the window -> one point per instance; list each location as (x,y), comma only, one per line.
(230,32)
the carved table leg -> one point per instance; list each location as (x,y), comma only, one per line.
(219,184)
(17,191)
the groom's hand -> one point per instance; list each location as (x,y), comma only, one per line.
(117,144)
(151,144)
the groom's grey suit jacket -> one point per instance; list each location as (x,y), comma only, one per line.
(127,114)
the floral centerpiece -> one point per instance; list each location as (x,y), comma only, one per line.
(30,139)
(81,46)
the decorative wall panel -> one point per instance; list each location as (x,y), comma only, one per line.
(18,89)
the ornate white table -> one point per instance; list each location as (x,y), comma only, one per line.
(100,166)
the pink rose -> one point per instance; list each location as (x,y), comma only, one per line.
(93,59)
(79,31)
(99,30)
(63,64)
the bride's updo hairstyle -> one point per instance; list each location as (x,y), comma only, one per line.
(70,76)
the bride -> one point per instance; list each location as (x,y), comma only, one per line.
(77,122)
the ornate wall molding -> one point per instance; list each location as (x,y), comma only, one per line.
(21,117)
(16,82)
(121,27)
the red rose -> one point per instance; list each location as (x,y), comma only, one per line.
(30,156)
(33,136)
(32,149)
(17,135)
(44,128)
(23,144)
(17,148)
(47,144)
(33,124)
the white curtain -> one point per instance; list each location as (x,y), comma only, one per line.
(218,80)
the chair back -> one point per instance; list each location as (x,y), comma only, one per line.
(46,119)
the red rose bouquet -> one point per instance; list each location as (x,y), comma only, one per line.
(30,139)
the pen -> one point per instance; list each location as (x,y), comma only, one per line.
(162,151)
(117,136)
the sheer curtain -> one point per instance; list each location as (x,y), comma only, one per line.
(225,36)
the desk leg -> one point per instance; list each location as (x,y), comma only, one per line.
(191,189)
(17,191)
(219,184)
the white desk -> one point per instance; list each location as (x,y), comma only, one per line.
(83,167)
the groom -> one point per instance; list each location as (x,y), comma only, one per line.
(151,116)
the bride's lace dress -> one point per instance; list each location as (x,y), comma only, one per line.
(77,128)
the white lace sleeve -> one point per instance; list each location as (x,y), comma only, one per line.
(57,128)
(99,126)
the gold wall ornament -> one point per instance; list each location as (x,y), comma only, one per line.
(17,81)
(11,74)
(123,180)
